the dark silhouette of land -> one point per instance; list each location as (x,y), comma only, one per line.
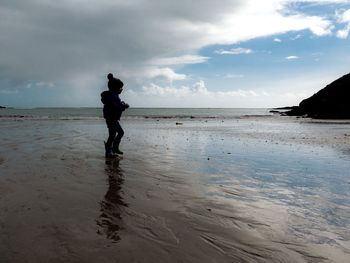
(2,107)
(331,102)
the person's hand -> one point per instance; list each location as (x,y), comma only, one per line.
(125,105)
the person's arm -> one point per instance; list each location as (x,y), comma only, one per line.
(125,105)
(119,105)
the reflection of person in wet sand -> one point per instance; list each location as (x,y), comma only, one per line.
(110,217)
(112,111)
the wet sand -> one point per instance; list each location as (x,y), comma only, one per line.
(272,190)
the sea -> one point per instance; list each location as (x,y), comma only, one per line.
(134,113)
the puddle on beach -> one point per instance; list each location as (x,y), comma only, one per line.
(300,190)
(310,185)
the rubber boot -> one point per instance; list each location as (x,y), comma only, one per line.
(108,152)
(115,147)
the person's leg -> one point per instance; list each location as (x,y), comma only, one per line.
(111,136)
(112,131)
(117,139)
(120,131)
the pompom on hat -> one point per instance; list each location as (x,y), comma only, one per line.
(110,76)
(114,83)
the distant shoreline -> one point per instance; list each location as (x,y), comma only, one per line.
(87,107)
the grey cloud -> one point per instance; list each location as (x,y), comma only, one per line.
(74,43)
(54,40)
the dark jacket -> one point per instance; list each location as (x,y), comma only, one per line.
(113,106)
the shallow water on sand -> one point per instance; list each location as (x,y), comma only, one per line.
(296,187)
(251,190)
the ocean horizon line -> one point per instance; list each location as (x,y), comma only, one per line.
(87,107)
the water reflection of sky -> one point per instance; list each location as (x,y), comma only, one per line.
(302,189)
(312,182)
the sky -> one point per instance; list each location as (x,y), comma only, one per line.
(184,53)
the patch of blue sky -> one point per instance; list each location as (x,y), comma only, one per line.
(277,56)
(325,9)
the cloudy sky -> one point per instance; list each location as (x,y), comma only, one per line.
(184,53)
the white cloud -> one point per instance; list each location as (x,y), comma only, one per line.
(165,73)
(292,57)
(181,60)
(199,96)
(277,40)
(296,37)
(272,93)
(45,84)
(343,33)
(234,51)
(233,76)
(319,26)
(197,90)
(155,90)
(343,18)
(199,87)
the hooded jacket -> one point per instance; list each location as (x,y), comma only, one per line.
(113,106)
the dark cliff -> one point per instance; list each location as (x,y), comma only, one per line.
(331,102)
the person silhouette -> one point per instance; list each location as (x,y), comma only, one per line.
(112,111)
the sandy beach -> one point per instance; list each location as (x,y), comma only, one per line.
(272,189)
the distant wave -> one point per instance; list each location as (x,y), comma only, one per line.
(203,117)
(33,117)
(127,117)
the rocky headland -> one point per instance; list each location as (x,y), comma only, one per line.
(331,102)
